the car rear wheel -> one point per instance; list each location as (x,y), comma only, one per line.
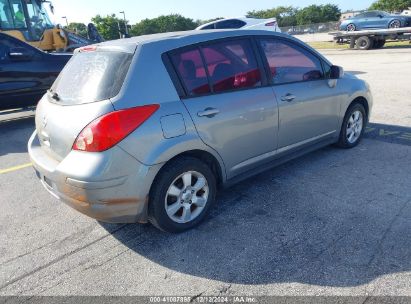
(182,195)
(351,27)
(353,126)
(395,24)
(364,43)
(378,44)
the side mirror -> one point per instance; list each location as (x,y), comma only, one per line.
(336,72)
(20,54)
(381,16)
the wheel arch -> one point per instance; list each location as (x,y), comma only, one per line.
(215,164)
(363,101)
(354,99)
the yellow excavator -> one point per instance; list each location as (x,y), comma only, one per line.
(28,21)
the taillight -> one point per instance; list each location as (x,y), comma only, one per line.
(273,23)
(108,130)
(88,48)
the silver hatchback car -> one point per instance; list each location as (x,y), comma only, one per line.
(148,128)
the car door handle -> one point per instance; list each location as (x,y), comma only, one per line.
(288,97)
(209,112)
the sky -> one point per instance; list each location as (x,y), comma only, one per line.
(84,10)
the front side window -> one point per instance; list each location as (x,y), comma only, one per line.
(231,65)
(290,63)
(191,70)
(370,14)
(6,20)
(39,19)
(12,14)
(18,14)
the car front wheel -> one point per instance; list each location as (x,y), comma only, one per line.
(353,126)
(351,27)
(182,195)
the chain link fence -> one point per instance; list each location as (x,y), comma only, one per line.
(311,28)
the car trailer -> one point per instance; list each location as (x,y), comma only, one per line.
(372,39)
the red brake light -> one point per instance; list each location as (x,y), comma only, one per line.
(273,23)
(108,130)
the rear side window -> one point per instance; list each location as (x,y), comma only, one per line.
(191,70)
(290,63)
(230,24)
(231,65)
(92,76)
(209,27)
(226,66)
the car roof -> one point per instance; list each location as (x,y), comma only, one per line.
(180,39)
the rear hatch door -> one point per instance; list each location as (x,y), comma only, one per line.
(81,93)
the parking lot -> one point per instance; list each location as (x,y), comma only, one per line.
(334,222)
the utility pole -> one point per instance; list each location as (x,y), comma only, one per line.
(66,20)
(119,29)
(125,22)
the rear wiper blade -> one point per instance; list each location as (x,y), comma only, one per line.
(54,95)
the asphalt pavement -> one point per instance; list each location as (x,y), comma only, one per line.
(334,222)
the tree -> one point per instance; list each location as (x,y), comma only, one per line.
(285,15)
(391,5)
(162,24)
(78,28)
(108,26)
(330,12)
(318,14)
(291,16)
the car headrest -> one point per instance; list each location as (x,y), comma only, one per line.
(223,71)
(188,69)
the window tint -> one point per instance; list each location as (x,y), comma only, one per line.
(209,27)
(290,63)
(17,12)
(230,24)
(5,15)
(231,65)
(92,76)
(370,14)
(190,68)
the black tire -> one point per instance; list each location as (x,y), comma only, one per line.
(157,202)
(364,43)
(343,141)
(378,44)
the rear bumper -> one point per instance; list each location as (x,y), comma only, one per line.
(111,186)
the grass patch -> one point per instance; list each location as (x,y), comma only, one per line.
(332,45)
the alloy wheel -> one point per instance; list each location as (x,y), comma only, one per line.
(187,197)
(395,24)
(351,28)
(355,126)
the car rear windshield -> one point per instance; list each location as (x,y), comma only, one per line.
(91,76)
